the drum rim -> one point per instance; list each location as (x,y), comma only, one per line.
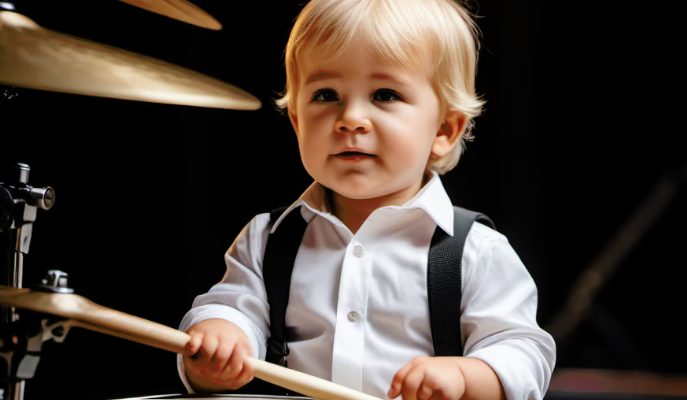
(216,396)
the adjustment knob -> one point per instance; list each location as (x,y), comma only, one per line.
(22,173)
(43,198)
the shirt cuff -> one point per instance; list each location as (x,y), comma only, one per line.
(182,373)
(519,368)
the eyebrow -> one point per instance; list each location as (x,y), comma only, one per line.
(321,75)
(385,77)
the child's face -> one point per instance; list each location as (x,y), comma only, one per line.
(366,128)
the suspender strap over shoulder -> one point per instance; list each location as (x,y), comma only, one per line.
(280,255)
(444,281)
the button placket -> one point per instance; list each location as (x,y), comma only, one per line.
(348,349)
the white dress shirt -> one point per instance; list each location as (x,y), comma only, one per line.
(358,308)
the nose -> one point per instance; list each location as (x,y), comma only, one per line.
(353,118)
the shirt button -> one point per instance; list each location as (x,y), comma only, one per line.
(358,251)
(353,316)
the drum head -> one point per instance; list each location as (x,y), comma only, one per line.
(220,397)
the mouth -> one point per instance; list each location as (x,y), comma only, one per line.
(353,155)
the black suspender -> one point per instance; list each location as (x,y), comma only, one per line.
(277,265)
(444,283)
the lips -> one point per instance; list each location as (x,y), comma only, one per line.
(352,156)
(346,154)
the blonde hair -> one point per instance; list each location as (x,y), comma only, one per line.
(436,35)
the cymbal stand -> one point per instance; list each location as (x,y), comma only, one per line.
(19,204)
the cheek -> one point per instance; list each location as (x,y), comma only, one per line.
(315,126)
(312,145)
(410,138)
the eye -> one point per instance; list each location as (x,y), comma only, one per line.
(324,96)
(386,96)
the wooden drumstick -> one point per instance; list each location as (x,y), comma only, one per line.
(83,313)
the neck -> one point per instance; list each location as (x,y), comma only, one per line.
(354,212)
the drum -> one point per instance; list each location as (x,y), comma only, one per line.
(220,397)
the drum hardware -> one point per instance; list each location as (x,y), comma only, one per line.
(22,339)
(19,204)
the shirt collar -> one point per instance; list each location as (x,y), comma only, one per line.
(432,198)
(312,202)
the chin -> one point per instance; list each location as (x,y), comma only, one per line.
(357,192)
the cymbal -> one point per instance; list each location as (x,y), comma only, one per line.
(178,9)
(39,58)
(84,313)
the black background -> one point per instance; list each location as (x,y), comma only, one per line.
(581,121)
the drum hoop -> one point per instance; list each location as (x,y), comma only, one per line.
(218,396)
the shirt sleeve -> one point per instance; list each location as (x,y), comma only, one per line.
(498,320)
(240,297)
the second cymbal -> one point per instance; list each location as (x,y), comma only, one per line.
(181,10)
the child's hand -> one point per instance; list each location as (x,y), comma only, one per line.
(446,378)
(429,377)
(216,359)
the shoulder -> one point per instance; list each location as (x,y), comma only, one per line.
(251,242)
(256,229)
(482,239)
(484,242)
(481,232)
(489,255)
(249,246)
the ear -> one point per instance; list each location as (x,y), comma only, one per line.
(294,119)
(450,132)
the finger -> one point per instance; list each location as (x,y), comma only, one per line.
(235,365)
(412,382)
(397,382)
(449,391)
(221,358)
(248,367)
(440,385)
(207,351)
(426,389)
(246,374)
(193,344)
